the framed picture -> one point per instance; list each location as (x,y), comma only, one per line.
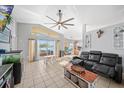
(118,37)
(5,36)
(5,11)
(87,40)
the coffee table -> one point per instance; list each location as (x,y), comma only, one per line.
(89,78)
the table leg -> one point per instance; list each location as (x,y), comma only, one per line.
(45,61)
(55,59)
(51,60)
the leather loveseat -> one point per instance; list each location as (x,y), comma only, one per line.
(105,64)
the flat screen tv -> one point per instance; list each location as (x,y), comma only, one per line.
(5,11)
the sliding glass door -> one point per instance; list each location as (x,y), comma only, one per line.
(46,47)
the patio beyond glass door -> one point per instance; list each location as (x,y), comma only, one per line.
(46,47)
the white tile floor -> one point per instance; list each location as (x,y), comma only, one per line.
(36,75)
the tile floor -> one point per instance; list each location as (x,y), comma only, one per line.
(36,75)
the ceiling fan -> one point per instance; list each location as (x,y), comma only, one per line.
(59,22)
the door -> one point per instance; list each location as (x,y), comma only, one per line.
(57,48)
(31,50)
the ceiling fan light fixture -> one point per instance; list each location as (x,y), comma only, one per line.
(61,23)
(59,11)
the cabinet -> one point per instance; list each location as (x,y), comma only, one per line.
(14,57)
(6,76)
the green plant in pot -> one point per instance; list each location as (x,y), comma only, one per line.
(7,59)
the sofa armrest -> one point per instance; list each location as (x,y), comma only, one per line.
(76,57)
(118,73)
(76,61)
(118,67)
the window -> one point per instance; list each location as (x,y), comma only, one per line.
(46,47)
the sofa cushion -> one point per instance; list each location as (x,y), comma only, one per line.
(109,59)
(95,56)
(107,70)
(100,68)
(84,55)
(76,61)
(109,55)
(89,64)
(95,52)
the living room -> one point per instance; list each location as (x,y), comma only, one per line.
(48,48)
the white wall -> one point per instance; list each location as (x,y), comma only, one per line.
(5,46)
(105,42)
(23,34)
(14,35)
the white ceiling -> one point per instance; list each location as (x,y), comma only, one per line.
(95,16)
(41,36)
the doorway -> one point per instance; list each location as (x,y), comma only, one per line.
(31,50)
(58,48)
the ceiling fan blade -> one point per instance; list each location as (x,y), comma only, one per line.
(69,24)
(49,23)
(65,27)
(67,20)
(51,19)
(54,26)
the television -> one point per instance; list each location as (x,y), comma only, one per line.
(5,11)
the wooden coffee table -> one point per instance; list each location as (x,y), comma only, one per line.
(88,77)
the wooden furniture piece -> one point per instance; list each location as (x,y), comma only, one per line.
(78,69)
(6,76)
(84,80)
